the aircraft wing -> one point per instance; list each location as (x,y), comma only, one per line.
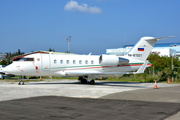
(140,70)
(96,73)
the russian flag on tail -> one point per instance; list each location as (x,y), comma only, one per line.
(140,49)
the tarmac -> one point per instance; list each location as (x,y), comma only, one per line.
(69,99)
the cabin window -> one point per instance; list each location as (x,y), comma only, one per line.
(86,62)
(29,59)
(55,61)
(74,61)
(67,61)
(92,62)
(80,61)
(26,59)
(22,59)
(61,61)
(17,59)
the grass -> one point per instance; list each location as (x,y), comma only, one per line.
(14,80)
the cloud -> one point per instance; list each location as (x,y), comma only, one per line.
(74,6)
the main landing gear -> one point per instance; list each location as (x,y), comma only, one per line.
(20,82)
(85,80)
(92,82)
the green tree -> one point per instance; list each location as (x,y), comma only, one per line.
(163,65)
(9,56)
(3,62)
(51,50)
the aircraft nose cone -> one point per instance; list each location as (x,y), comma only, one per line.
(2,70)
(7,70)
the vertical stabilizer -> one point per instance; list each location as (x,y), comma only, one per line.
(142,49)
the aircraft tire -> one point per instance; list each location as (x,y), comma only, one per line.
(83,81)
(92,82)
(21,83)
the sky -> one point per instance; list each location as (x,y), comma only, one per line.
(94,25)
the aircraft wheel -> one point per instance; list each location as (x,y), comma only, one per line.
(83,81)
(21,83)
(92,82)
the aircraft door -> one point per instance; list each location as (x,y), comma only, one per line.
(45,62)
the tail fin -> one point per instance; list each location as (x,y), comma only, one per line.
(142,49)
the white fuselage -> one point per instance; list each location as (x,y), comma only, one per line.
(57,65)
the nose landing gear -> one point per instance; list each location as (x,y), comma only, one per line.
(20,82)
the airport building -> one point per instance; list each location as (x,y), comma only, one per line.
(2,56)
(163,49)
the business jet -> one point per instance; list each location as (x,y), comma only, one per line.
(86,67)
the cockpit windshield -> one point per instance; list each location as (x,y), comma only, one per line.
(26,59)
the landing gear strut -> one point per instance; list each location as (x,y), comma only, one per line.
(85,80)
(92,82)
(82,80)
(21,82)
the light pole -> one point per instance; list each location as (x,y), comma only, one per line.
(153,72)
(68,41)
(172,67)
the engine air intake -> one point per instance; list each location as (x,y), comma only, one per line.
(112,60)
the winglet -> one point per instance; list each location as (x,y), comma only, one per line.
(142,68)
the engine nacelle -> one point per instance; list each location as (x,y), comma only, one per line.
(112,60)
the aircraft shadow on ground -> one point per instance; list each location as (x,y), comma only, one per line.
(113,84)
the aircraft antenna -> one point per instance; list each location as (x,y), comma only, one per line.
(125,40)
(68,41)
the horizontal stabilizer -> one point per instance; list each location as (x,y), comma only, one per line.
(160,38)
